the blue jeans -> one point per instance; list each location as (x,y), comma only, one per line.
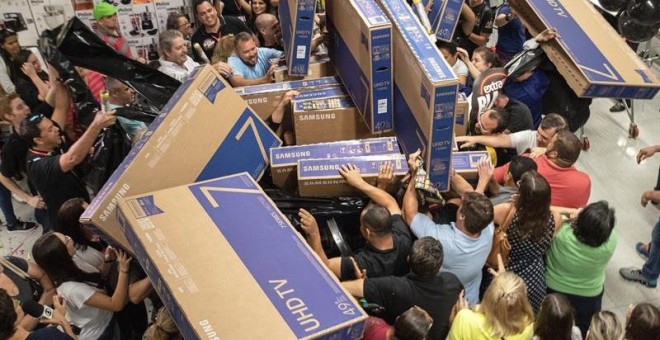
(651,268)
(6,206)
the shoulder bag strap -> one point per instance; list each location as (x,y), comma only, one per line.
(509,218)
(18,271)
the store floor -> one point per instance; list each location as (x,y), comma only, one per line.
(615,176)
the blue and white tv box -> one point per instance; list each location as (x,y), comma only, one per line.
(297,23)
(425,90)
(227,264)
(361,50)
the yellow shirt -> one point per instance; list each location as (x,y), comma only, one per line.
(470,325)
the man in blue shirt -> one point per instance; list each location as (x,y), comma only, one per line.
(466,243)
(251,64)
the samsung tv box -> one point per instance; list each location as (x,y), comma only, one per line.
(205,131)
(361,50)
(320,177)
(425,90)
(284,160)
(263,99)
(227,264)
(297,22)
(593,58)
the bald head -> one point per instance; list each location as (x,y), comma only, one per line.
(264,20)
(268,29)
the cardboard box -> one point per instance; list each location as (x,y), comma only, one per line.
(328,92)
(320,177)
(465,163)
(591,56)
(462,114)
(208,249)
(318,67)
(284,160)
(361,50)
(206,130)
(263,99)
(296,22)
(425,90)
(327,119)
(444,17)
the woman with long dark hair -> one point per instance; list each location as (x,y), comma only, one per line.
(88,306)
(529,233)
(89,248)
(258,7)
(9,46)
(31,80)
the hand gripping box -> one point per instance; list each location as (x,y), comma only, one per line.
(465,163)
(263,99)
(361,50)
(203,132)
(326,116)
(228,265)
(591,56)
(319,66)
(425,90)
(297,22)
(444,17)
(284,160)
(320,177)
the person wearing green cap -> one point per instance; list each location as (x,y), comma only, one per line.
(108,28)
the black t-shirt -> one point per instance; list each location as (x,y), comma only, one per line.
(380,263)
(14,153)
(483,24)
(24,289)
(54,185)
(232,8)
(228,25)
(48,333)
(436,296)
(520,116)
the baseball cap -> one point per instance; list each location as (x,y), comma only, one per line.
(103,9)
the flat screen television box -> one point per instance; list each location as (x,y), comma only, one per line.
(206,130)
(296,23)
(227,264)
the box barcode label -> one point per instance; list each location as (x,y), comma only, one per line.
(301,52)
(379,19)
(382,106)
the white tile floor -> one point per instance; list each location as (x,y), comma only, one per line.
(615,177)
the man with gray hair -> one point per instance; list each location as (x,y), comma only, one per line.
(174,60)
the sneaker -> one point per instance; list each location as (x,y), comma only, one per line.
(634,274)
(642,250)
(22,226)
(618,107)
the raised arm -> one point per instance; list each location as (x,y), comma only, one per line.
(410,203)
(495,141)
(378,196)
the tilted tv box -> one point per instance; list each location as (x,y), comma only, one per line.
(361,50)
(425,91)
(206,130)
(444,17)
(297,23)
(591,56)
(227,264)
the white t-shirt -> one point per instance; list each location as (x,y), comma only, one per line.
(92,321)
(523,140)
(460,68)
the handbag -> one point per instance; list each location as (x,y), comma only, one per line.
(501,243)
(36,288)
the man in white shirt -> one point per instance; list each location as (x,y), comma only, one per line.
(522,140)
(175,61)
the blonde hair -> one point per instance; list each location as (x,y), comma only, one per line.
(506,306)
(223,49)
(163,328)
(605,326)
